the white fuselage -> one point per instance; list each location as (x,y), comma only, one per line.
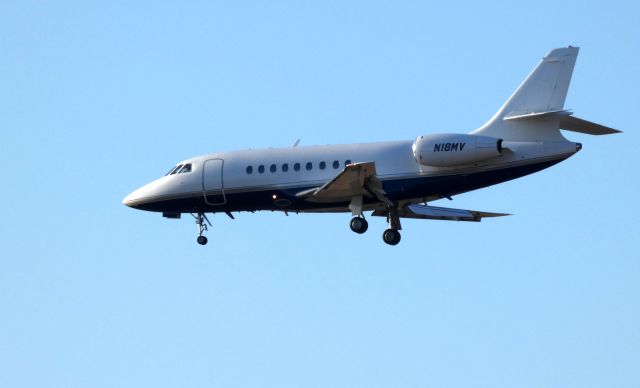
(273,172)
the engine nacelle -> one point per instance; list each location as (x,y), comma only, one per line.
(449,149)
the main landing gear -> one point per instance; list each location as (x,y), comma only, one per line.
(390,236)
(202,221)
(359,225)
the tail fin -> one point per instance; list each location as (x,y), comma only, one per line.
(540,96)
(545,89)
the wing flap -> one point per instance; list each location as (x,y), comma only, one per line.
(426,212)
(350,182)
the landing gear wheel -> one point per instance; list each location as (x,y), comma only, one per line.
(201,221)
(391,236)
(359,225)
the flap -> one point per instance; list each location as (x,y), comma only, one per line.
(350,182)
(440,213)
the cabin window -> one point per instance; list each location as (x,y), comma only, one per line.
(323,165)
(273,168)
(296,167)
(309,166)
(285,167)
(347,162)
(185,169)
(249,169)
(261,169)
(336,164)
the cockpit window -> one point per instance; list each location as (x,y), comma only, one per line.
(174,169)
(185,169)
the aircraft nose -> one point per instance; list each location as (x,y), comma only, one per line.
(132,199)
(145,197)
(140,196)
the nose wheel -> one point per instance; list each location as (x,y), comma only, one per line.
(202,221)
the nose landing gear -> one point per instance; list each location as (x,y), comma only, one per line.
(202,221)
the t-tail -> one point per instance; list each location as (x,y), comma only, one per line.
(535,111)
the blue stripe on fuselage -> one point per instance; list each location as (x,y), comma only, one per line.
(396,189)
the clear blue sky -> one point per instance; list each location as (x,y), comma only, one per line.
(97,99)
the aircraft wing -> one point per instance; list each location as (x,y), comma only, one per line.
(356,179)
(439,213)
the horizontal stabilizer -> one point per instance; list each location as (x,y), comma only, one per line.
(440,213)
(571,123)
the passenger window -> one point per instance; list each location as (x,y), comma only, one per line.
(273,168)
(323,165)
(296,167)
(336,164)
(347,162)
(285,167)
(185,169)
(249,169)
(261,169)
(309,166)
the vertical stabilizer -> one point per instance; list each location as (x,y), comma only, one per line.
(541,95)
(545,89)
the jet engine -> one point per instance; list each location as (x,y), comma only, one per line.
(445,150)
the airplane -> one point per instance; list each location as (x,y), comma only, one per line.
(395,179)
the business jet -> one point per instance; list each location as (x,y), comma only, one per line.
(395,179)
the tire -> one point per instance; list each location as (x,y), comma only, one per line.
(391,236)
(359,225)
(202,240)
